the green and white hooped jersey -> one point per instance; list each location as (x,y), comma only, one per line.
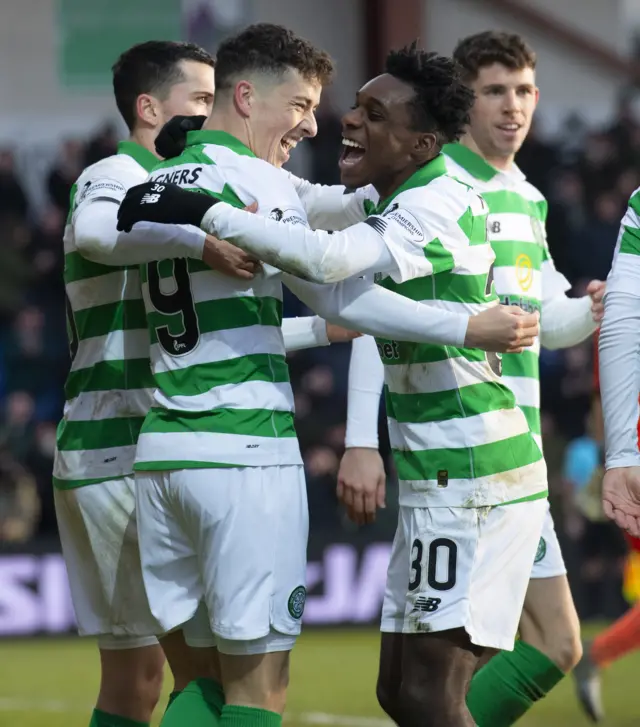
(223,395)
(457,435)
(524,273)
(109,388)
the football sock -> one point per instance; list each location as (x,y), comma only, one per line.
(509,685)
(172,699)
(235,716)
(199,703)
(104,719)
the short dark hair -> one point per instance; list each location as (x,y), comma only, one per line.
(271,49)
(442,101)
(151,67)
(493,46)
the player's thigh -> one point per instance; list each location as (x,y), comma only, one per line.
(436,671)
(98,532)
(464,568)
(250,526)
(170,563)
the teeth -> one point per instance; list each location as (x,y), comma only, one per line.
(510,127)
(350,142)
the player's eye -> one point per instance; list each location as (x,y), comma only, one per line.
(374,115)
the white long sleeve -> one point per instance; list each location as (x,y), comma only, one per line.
(565,321)
(619,355)
(318,256)
(363,306)
(333,207)
(97,238)
(304,332)
(366,378)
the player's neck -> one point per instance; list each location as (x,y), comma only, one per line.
(230,122)
(145,138)
(504,164)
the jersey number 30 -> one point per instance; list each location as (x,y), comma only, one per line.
(178,302)
(440,547)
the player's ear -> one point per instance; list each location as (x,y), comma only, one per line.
(424,148)
(244,97)
(148,110)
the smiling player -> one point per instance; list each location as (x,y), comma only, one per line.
(463,447)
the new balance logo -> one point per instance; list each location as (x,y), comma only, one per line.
(426,604)
(149,198)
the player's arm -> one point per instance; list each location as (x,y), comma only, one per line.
(564,321)
(619,346)
(619,360)
(95,220)
(366,378)
(333,207)
(377,245)
(362,478)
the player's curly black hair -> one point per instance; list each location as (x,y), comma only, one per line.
(493,46)
(151,67)
(442,101)
(270,49)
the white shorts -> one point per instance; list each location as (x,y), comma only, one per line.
(459,567)
(97,526)
(548,561)
(233,538)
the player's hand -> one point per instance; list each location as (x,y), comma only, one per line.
(621,498)
(503,329)
(164,203)
(338,334)
(362,484)
(226,258)
(595,290)
(172,138)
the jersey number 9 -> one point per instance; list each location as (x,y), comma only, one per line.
(178,302)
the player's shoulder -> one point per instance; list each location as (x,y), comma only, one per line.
(634,204)
(118,171)
(444,195)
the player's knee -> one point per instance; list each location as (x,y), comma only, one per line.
(561,644)
(132,679)
(428,705)
(387,699)
(565,650)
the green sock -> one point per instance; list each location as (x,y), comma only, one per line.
(199,703)
(104,719)
(172,698)
(235,716)
(507,687)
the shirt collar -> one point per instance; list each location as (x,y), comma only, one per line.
(477,166)
(219,138)
(421,177)
(144,157)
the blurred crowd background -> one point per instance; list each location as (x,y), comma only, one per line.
(587,170)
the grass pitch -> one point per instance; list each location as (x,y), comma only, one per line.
(53,683)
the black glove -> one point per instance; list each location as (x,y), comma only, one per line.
(165,203)
(173,135)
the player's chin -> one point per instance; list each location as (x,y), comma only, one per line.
(354,176)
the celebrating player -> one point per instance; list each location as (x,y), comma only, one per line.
(109,388)
(500,68)
(428,241)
